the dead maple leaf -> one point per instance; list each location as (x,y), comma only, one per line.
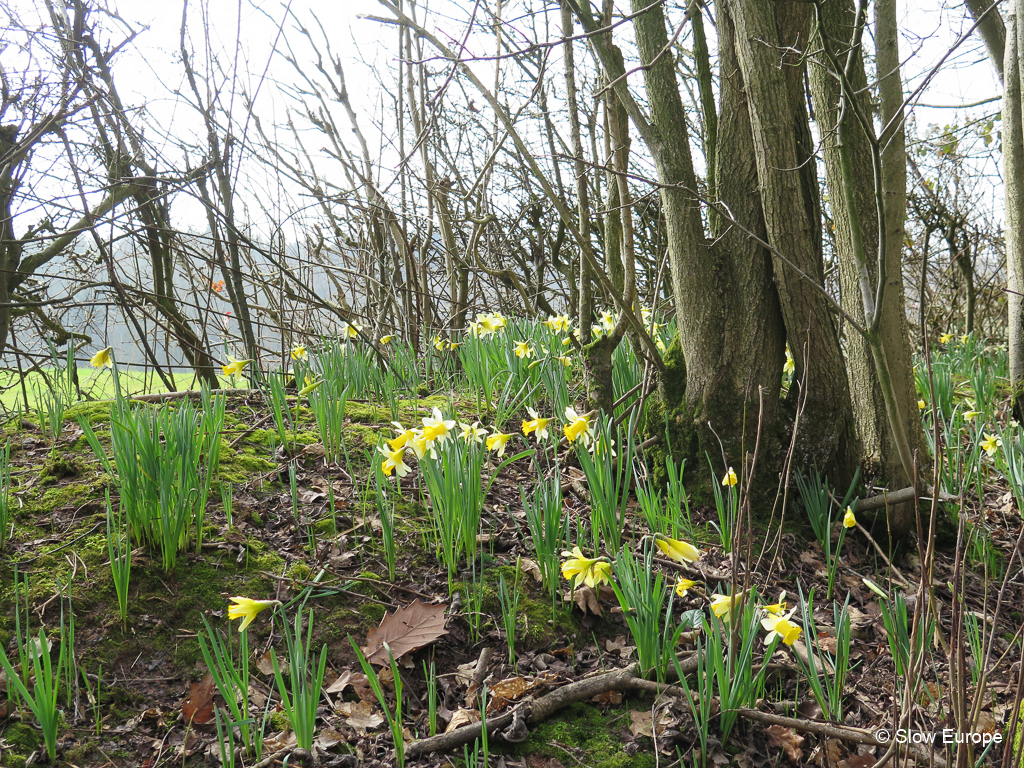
(198,708)
(406,630)
(788,739)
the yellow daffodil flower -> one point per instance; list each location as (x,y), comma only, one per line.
(246,608)
(351,330)
(439,343)
(486,325)
(436,427)
(849,519)
(945,338)
(394,460)
(660,344)
(420,446)
(566,341)
(537,425)
(386,339)
(561,323)
(730,478)
(564,360)
(556,323)
(234,367)
(680,551)
(965,338)
(971,415)
(405,436)
(299,353)
(921,405)
(684,585)
(499,321)
(776,609)
(581,569)
(497,442)
(781,627)
(473,433)
(790,365)
(991,443)
(722,606)
(523,349)
(598,447)
(607,321)
(578,427)
(102,359)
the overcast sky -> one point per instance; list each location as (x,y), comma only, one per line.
(928,29)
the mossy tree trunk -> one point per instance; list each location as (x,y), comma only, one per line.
(730,340)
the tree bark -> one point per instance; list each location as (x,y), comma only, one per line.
(825,438)
(992,31)
(1013,174)
(878,443)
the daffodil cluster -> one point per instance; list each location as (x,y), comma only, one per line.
(487,325)
(557,323)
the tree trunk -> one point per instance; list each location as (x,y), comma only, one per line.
(879,453)
(1013,174)
(826,433)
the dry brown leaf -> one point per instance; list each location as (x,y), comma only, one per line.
(788,739)
(280,741)
(462,717)
(341,683)
(361,685)
(406,630)
(608,697)
(986,723)
(512,687)
(621,645)
(641,723)
(329,737)
(585,598)
(504,692)
(360,716)
(198,708)
(265,664)
(530,568)
(464,673)
(827,644)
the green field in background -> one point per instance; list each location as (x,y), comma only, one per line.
(96,384)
